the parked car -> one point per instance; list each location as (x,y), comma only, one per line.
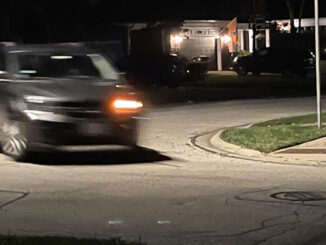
(272,60)
(54,95)
(148,70)
(197,69)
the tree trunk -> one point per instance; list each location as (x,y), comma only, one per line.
(291,13)
(303,2)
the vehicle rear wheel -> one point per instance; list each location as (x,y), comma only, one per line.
(242,71)
(13,140)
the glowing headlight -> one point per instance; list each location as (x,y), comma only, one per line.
(34,99)
(127,104)
(33,114)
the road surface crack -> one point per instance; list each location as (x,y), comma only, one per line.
(21,196)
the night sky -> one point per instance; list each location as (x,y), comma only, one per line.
(62,20)
(139,10)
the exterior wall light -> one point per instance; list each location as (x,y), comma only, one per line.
(226,38)
(177,39)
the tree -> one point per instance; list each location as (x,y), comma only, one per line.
(292,6)
(302,6)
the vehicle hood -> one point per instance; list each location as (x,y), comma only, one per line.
(246,57)
(243,59)
(64,89)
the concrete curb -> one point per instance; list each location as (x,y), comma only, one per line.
(212,143)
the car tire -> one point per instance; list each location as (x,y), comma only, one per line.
(132,139)
(242,71)
(288,73)
(256,72)
(13,138)
(158,84)
(173,84)
(302,73)
(131,135)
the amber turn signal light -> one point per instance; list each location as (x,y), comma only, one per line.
(126,106)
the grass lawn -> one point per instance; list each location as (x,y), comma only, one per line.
(307,119)
(15,240)
(276,134)
(215,87)
(215,80)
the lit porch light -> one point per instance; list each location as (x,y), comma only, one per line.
(226,38)
(177,39)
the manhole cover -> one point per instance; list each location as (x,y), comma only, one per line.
(300,196)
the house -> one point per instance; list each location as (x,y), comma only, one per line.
(196,38)
(307,37)
(210,38)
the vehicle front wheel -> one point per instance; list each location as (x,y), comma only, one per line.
(302,73)
(242,71)
(13,139)
(173,83)
(256,72)
(288,73)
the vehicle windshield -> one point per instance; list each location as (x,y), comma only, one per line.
(65,66)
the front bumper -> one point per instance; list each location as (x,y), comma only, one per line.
(81,132)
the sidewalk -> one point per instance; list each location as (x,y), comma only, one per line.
(223,73)
(312,153)
(233,73)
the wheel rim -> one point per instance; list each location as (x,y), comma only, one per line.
(13,142)
(242,70)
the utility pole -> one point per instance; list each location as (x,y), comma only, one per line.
(219,53)
(254,26)
(317,44)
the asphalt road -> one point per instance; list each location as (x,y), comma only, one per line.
(169,192)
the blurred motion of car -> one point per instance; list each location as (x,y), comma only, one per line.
(270,60)
(149,70)
(62,95)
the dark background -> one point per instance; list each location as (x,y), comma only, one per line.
(55,21)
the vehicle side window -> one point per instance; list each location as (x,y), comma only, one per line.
(2,61)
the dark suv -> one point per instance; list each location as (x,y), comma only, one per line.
(62,95)
(276,60)
(147,70)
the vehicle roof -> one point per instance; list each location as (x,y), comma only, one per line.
(34,48)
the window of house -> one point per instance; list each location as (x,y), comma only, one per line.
(212,32)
